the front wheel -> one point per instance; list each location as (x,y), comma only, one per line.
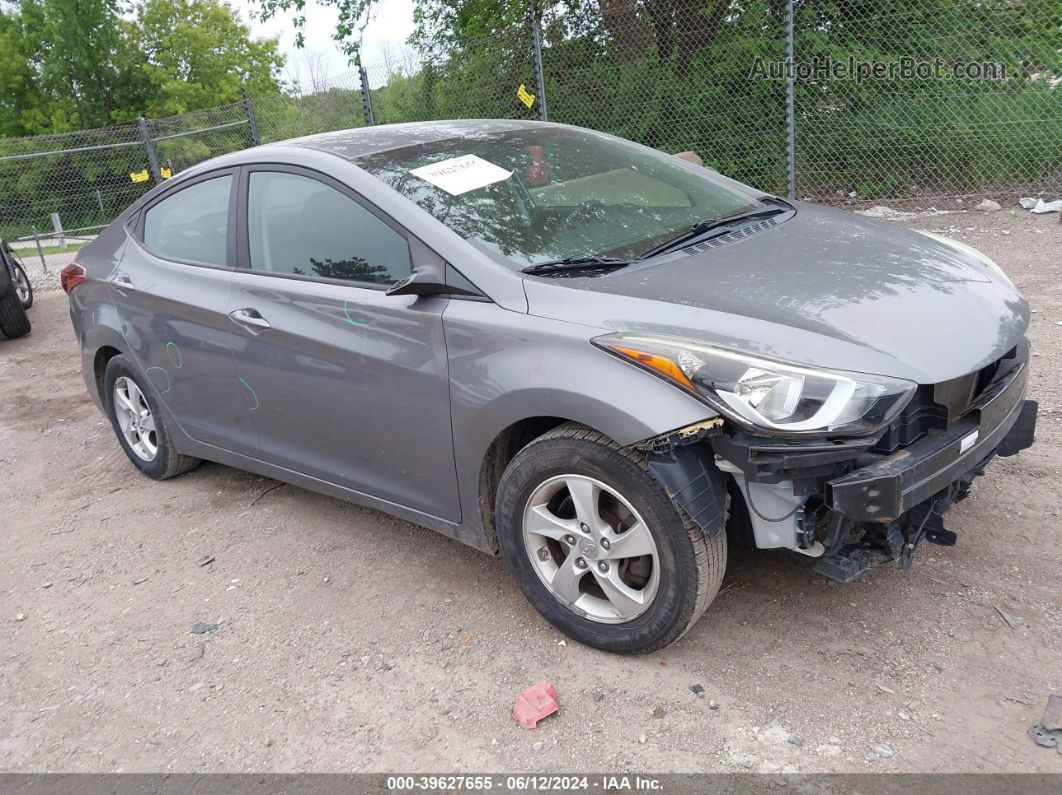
(597,546)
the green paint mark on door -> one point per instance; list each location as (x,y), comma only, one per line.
(174,354)
(169,385)
(254,394)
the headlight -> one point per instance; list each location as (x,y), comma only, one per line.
(984,259)
(765,395)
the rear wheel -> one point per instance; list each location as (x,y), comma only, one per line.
(140,427)
(597,546)
(13,319)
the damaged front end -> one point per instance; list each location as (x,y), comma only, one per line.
(852,503)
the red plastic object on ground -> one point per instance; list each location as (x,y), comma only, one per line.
(534,703)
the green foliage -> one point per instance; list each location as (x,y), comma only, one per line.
(673,74)
(886,137)
(79,67)
(199,54)
(677,74)
(282,116)
(69,65)
(77,64)
(17,89)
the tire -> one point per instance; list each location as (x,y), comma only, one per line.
(165,462)
(24,287)
(688,566)
(13,319)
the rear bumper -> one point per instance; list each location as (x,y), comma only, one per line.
(1002,423)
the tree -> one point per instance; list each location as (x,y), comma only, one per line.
(19,99)
(353,15)
(83,60)
(74,64)
(199,54)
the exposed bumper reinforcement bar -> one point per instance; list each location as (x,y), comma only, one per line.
(881,492)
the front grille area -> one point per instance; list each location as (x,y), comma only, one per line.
(936,405)
(918,418)
(958,394)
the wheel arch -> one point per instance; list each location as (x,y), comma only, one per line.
(506,444)
(487,439)
(100,359)
(694,562)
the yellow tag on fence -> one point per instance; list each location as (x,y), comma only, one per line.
(139,176)
(525,96)
(165,172)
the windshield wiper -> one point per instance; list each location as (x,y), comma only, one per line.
(576,263)
(704,227)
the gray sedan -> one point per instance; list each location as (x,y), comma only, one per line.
(597,359)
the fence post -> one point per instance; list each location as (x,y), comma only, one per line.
(57,226)
(149,145)
(99,200)
(790,120)
(251,123)
(366,98)
(40,251)
(540,79)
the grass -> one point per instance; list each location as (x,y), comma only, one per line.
(31,250)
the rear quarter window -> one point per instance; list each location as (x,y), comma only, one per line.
(191,225)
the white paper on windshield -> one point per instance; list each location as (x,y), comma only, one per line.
(461,174)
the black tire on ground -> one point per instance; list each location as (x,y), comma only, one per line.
(691,565)
(167,462)
(14,322)
(27,285)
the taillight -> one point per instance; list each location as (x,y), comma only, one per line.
(71,276)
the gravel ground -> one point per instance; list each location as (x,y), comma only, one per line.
(350,641)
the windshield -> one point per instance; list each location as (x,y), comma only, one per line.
(548,194)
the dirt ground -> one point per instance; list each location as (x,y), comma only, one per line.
(350,641)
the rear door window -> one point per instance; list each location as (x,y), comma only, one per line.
(300,226)
(192,225)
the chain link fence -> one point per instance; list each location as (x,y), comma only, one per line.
(967,99)
(844,102)
(676,76)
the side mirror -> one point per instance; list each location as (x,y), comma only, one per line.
(418,284)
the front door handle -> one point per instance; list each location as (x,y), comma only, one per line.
(249,317)
(123,284)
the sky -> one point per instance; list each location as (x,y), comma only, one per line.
(391,25)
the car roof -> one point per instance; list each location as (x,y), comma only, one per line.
(351,144)
(359,141)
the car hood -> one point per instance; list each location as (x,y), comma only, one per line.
(825,288)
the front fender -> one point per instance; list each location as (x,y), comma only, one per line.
(507,366)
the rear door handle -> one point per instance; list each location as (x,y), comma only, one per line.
(249,317)
(123,284)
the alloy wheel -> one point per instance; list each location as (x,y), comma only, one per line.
(591,549)
(135,419)
(22,285)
